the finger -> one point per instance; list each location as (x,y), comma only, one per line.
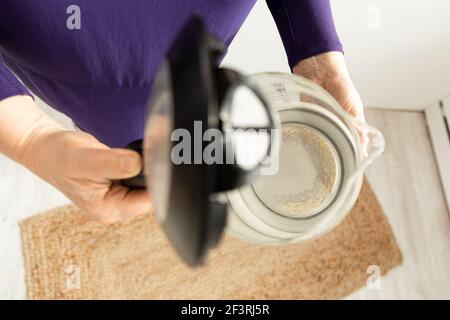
(355,108)
(108,163)
(364,139)
(362,130)
(129,203)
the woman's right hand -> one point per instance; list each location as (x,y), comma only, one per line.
(86,171)
(74,162)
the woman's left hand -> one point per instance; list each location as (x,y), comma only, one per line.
(330,72)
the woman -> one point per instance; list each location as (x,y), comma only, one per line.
(95,62)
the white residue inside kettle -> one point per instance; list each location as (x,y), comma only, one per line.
(308,176)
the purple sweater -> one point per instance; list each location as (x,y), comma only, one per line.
(100,75)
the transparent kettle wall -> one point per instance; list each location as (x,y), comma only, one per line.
(249,121)
(246,109)
(314,186)
(307,173)
(158,167)
(250,146)
(284,90)
(320,103)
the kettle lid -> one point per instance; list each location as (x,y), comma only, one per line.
(187,101)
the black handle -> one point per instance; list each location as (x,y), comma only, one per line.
(139,180)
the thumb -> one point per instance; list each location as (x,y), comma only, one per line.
(110,163)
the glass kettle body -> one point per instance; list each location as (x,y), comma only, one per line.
(306,108)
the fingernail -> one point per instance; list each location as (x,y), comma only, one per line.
(129,163)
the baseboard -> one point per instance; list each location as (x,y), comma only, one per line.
(396,108)
(438,120)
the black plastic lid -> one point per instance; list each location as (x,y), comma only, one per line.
(189,91)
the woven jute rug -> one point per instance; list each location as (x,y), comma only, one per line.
(68,256)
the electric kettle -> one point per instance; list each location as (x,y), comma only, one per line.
(321,166)
(271,157)
(196,144)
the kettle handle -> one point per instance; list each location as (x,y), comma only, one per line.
(138,181)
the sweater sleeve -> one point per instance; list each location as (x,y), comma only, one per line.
(306,28)
(9,84)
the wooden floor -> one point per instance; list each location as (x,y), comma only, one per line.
(407,184)
(405,180)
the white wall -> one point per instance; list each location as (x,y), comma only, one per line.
(398,51)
